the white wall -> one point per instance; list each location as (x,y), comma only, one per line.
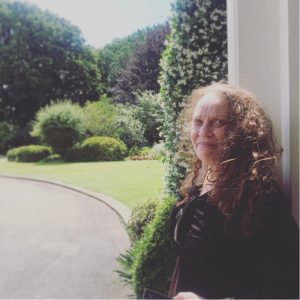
(263,56)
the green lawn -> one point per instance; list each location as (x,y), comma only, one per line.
(126,181)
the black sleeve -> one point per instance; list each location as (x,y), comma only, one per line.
(279,247)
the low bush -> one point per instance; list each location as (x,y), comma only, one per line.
(142,214)
(60,125)
(97,148)
(158,152)
(74,154)
(144,153)
(151,260)
(134,151)
(30,153)
(11,154)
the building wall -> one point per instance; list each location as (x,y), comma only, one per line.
(263,56)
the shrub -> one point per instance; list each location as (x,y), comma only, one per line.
(30,153)
(149,112)
(97,148)
(74,154)
(144,153)
(155,257)
(134,151)
(128,128)
(151,260)
(100,117)
(142,214)
(11,154)
(158,152)
(60,125)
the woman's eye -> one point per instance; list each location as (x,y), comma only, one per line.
(219,123)
(198,122)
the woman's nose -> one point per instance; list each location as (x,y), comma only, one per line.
(206,130)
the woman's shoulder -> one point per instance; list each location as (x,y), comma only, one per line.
(276,211)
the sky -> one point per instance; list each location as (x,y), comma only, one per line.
(101,21)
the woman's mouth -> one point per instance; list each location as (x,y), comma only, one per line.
(207,145)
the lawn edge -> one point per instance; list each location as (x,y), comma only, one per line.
(119,208)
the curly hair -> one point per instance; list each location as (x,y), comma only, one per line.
(247,160)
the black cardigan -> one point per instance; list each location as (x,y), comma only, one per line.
(214,264)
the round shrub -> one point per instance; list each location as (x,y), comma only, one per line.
(149,263)
(30,153)
(141,215)
(98,148)
(11,154)
(60,125)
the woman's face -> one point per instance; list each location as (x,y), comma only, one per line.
(209,125)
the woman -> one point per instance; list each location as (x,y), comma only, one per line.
(233,228)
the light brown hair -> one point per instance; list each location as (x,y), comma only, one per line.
(247,158)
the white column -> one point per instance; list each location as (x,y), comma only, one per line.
(263,56)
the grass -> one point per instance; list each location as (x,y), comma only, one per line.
(126,181)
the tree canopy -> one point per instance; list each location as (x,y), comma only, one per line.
(113,57)
(42,58)
(142,69)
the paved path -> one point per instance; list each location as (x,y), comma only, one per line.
(57,243)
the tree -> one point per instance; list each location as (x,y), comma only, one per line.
(113,58)
(196,55)
(142,70)
(42,58)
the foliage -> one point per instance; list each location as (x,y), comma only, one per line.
(113,57)
(6,134)
(150,261)
(128,128)
(126,261)
(60,125)
(42,58)
(141,215)
(144,153)
(155,258)
(134,151)
(135,125)
(100,118)
(142,69)
(196,55)
(30,153)
(149,112)
(97,148)
(158,152)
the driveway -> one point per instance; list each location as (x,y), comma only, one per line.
(58,243)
